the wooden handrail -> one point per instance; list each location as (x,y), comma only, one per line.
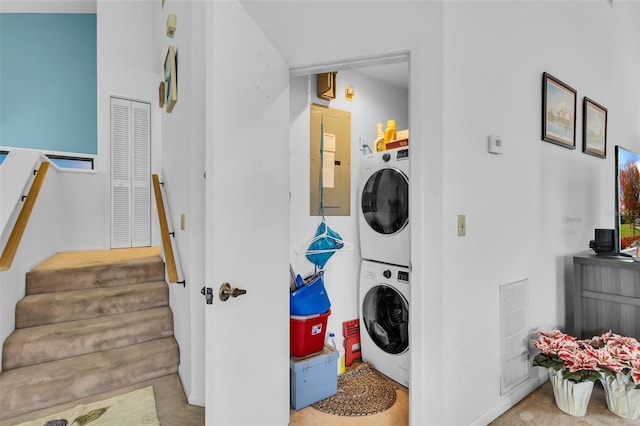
(19,227)
(169,259)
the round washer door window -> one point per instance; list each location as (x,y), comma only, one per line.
(385,201)
(385,313)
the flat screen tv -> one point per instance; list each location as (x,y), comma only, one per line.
(627,230)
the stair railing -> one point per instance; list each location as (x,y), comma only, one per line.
(19,226)
(171,257)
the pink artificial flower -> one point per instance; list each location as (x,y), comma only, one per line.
(628,342)
(620,353)
(635,371)
(604,359)
(576,360)
(606,336)
(550,343)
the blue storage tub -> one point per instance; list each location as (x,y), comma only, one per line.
(311,298)
(314,378)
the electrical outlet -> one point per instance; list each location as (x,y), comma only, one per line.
(182,220)
(462,225)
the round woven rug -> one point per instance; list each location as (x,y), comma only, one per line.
(361,392)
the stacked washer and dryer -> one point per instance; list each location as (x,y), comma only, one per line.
(384,275)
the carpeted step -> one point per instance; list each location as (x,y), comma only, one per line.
(45,279)
(31,388)
(35,345)
(50,308)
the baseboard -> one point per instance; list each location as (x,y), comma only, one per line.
(510,400)
(192,398)
(195,399)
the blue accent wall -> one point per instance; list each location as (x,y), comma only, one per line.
(48,82)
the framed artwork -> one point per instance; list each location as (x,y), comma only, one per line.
(170,79)
(558,112)
(594,128)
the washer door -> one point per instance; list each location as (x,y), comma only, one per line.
(385,313)
(385,201)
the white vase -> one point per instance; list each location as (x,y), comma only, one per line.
(622,398)
(571,397)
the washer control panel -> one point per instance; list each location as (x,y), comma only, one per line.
(402,154)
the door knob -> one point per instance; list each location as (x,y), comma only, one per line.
(226,291)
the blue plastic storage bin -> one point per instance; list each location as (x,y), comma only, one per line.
(311,298)
(313,378)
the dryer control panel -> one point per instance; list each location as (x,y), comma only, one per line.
(403,276)
(402,154)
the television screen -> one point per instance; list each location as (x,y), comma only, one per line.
(627,200)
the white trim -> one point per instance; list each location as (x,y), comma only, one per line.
(59,6)
(348,64)
(508,402)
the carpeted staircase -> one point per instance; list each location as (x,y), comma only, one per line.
(85,329)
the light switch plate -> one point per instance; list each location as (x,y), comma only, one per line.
(462,225)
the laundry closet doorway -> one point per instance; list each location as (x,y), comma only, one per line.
(367,109)
(130,188)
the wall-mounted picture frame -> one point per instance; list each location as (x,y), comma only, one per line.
(171,78)
(558,112)
(594,128)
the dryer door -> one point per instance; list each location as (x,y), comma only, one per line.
(385,313)
(385,201)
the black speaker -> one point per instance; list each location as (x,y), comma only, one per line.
(604,242)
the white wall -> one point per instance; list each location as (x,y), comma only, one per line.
(128,67)
(373,102)
(530,209)
(183,167)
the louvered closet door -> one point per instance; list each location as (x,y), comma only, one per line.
(130,173)
(141,173)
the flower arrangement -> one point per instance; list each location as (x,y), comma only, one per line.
(566,354)
(574,365)
(588,360)
(617,356)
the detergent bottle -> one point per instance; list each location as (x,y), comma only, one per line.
(390,131)
(379,144)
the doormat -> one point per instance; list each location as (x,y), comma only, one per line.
(133,408)
(361,392)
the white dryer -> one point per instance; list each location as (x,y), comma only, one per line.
(384,207)
(384,319)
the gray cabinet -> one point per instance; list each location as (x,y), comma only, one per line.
(606,295)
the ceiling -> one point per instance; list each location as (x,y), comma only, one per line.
(394,74)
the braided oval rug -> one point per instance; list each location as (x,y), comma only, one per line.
(362,391)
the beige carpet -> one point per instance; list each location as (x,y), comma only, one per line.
(133,408)
(539,409)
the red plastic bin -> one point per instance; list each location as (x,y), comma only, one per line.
(307,333)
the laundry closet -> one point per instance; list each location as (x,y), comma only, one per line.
(352,277)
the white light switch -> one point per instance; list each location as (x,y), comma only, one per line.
(462,225)
(495,144)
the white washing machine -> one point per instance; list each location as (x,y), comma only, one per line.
(384,207)
(384,319)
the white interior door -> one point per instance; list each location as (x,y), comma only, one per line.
(130,173)
(247,222)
